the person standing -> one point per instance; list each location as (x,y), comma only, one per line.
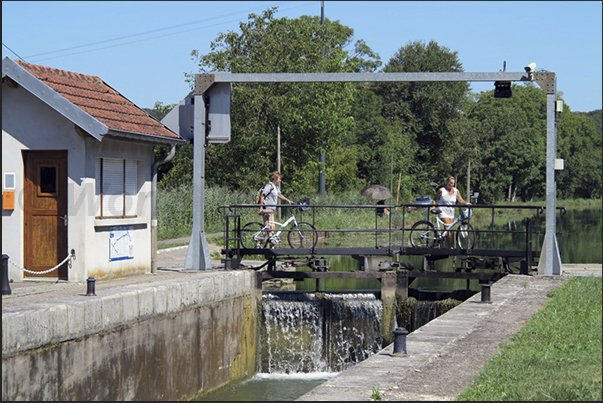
(445,197)
(268,198)
(382,210)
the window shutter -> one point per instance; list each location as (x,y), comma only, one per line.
(117,181)
(131,187)
(97,187)
(113,187)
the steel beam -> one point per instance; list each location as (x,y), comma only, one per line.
(547,80)
(300,275)
(206,80)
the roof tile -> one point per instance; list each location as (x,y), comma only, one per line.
(99,100)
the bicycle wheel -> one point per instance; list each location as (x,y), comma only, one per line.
(302,236)
(422,234)
(465,237)
(253,235)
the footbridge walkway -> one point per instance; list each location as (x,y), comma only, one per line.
(481,240)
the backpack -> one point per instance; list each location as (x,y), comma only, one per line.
(258,194)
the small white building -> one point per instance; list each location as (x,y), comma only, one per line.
(79,173)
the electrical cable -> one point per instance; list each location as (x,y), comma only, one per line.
(145,33)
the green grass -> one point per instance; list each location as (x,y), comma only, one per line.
(555,356)
(376,394)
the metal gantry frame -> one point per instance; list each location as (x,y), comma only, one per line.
(198,258)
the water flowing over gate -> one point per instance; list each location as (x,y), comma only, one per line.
(317,332)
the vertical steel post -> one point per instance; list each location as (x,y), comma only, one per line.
(550,260)
(529,257)
(197,255)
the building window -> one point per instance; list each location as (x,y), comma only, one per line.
(116,187)
(47,180)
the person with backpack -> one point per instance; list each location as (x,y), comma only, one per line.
(268,198)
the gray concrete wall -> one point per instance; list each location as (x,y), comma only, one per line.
(141,342)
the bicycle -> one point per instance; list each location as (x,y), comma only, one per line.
(423,234)
(302,235)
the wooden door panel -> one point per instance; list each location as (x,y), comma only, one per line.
(45,204)
(45,253)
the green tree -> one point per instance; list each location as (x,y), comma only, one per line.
(423,111)
(311,116)
(511,133)
(579,145)
(384,151)
(159,111)
(596,116)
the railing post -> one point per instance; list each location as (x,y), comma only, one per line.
(228,258)
(528,243)
(5,284)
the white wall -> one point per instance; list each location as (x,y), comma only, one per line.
(30,124)
(99,265)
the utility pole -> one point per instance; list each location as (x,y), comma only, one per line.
(321,161)
(278,161)
(469,181)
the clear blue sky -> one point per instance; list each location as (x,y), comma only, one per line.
(142,48)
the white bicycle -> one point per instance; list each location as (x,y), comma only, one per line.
(301,235)
(423,234)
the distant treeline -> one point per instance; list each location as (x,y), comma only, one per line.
(400,135)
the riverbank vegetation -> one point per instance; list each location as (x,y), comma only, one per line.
(175,210)
(555,356)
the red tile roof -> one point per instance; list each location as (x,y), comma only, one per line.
(99,100)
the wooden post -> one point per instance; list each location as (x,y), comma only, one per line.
(398,196)
(468,199)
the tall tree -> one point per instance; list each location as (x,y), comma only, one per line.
(424,110)
(580,147)
(512,137)
(311,116)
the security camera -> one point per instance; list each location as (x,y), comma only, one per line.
(530,68)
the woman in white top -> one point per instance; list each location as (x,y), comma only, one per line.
(268,199)
(447,196)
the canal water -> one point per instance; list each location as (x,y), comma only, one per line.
(306,342)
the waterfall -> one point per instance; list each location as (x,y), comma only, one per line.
(304,333)
(424,312)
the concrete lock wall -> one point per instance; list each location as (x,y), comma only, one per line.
(163,342)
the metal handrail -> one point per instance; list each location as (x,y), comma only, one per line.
(390,230)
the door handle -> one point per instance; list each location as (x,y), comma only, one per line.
(64,219)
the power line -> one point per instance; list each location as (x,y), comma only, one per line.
(148,32)
(12,51)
